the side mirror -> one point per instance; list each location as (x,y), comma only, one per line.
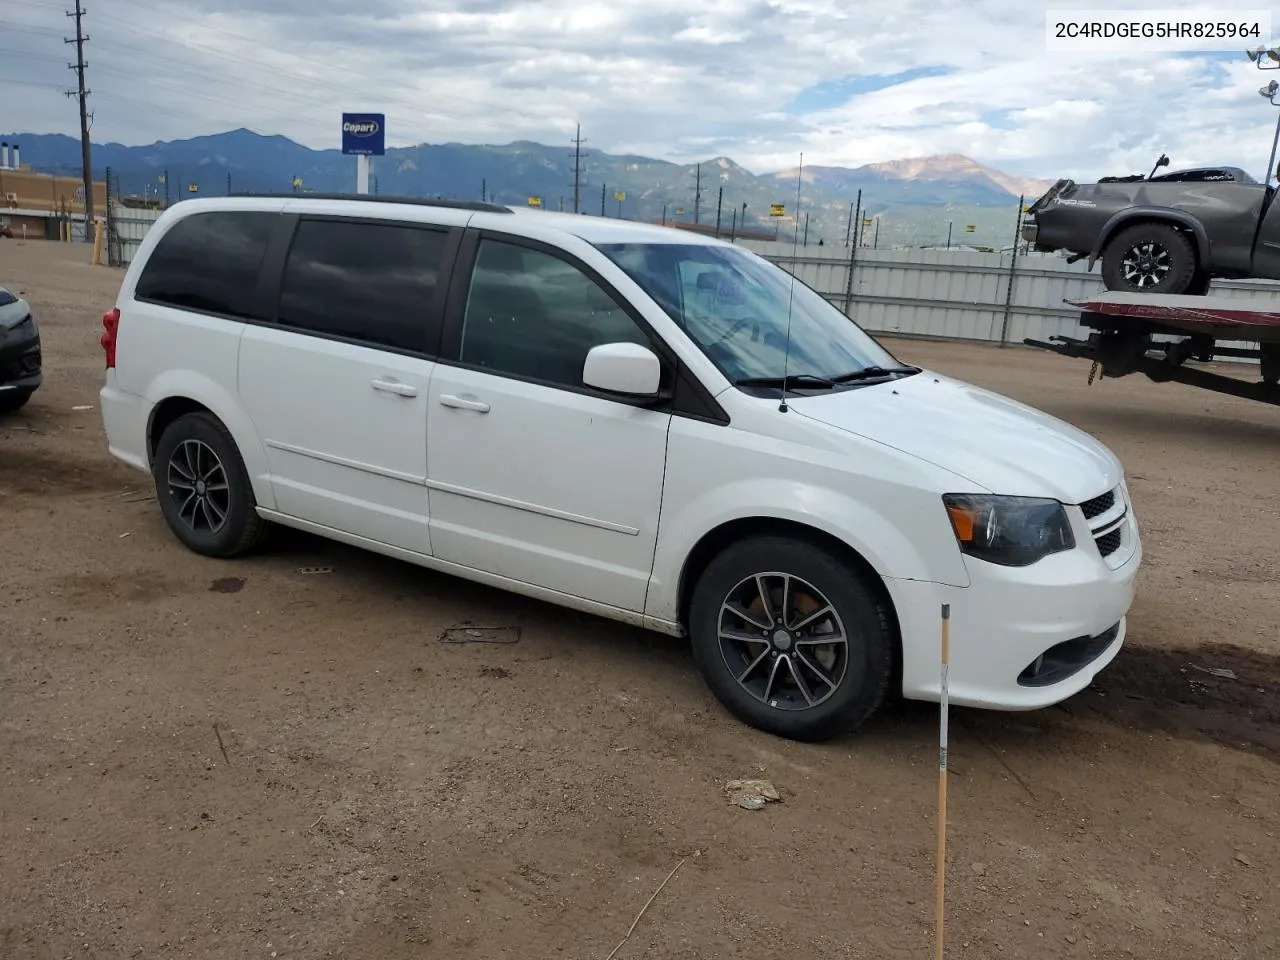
(623,368)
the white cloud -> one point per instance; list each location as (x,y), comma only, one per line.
(675,79)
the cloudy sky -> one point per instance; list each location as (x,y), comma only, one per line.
(845,82)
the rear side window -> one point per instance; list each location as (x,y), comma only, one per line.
(209,262)
(374,283)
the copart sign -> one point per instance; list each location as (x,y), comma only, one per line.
(364,133)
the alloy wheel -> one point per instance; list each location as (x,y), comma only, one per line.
(1145,264)
(783,641)
(197,483)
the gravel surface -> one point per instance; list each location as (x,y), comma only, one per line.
(238,759)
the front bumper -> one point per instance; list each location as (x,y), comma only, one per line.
(21,364)
(1022,638)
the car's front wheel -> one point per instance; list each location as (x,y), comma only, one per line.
(13,400)
(1150,258)
(204,489)
(790,638)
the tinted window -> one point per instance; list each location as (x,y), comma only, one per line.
(209,261)
(534,315)
(375,283)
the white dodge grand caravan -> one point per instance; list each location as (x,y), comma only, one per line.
(637,422)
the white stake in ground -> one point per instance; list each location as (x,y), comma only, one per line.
(942,776)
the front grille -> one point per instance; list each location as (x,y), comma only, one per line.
(1098,505)
(1108,543)
(1108,532)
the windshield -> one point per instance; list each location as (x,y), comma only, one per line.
(735,306)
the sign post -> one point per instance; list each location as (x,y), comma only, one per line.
(364,135)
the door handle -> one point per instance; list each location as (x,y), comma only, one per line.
(394,386)
(463,403)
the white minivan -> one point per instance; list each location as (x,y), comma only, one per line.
(638,422)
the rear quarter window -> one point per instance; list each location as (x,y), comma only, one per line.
(209,262)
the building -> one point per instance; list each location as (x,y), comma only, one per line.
(37,205)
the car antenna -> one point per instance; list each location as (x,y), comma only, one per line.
(791,296)
(1162,162)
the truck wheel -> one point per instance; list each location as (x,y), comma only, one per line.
(204,489)
(790,639)
(1149,258)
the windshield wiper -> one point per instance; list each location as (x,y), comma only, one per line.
(792,379)
(867,373)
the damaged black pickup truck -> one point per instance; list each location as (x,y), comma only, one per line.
(1166,234)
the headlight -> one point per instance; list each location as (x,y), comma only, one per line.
(1010,531)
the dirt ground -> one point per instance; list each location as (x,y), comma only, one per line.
(238,759)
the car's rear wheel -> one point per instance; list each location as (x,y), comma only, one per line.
(790,638)
(204,489)
(14,400)
(1149,258)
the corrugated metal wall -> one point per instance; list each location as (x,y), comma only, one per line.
(960,294)
(132,224)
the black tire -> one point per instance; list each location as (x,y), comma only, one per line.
(1149,258)
(1199,285)
(12,401)
(198,435)
(860,683)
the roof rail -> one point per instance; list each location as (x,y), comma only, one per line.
(384,198)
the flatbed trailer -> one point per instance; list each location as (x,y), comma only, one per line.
(1124,327)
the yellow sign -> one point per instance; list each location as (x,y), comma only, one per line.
(867,221)
(619,196)
(161,178)
(535,201)
(679,211)
(297,181)
(192,188)
(970,228)
(777,210)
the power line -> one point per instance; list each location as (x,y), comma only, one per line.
(83,95)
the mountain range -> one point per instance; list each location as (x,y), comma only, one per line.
(916,199)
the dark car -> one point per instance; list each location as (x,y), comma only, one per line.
(1170,233)
(20,370)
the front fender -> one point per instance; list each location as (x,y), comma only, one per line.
(916,543)
(194,385)
(1130,214)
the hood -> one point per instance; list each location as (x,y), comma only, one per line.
(13,309)
(998,444)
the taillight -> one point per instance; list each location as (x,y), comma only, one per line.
(110,323)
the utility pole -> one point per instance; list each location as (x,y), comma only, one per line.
(228,183)
(83,95)
(719,204)
(484,190)
(577,167)
(602,213)
(697,195)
